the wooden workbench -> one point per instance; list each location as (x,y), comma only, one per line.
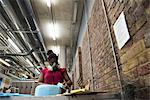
(88,96)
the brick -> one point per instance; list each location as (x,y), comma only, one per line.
(147,80)
(132,30)
(87,72)
(140,22)
(115,10)
(135,73)
(143,70)
(125,48)
(110,4)
(138,12)
(144,3)
(125,67)
(140,82)
(132,7)
(132,56)
(148,55)
(139,35)
(133,63)
(147,40)
(133,51)
(147,10)
(142,58)
(130,20)
(130,75)
(113,4)
(127,7)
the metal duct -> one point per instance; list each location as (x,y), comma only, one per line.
(11,26)
(22,20)
(21,54)
(27,9)
(14,19)
(23,26)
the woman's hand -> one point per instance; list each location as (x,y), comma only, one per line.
(8,91)
(67,82)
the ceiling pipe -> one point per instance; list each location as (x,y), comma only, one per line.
(14,76)
(39,35)
(20,54)
(25,23)
(23,33)
(28,13)
(32,16)
(15,21)
(12,28)
(2,55)
(5,35)
(13,59)
(9,19)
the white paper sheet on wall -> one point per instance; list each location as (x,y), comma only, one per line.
(121,31)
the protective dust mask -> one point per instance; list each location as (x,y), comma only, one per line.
(50,67)
(53,67)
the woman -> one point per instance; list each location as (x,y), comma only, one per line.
(53,74)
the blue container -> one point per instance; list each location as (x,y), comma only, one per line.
(45,90)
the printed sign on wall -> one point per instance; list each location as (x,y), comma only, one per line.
(121,31)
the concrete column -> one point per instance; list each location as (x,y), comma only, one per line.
(62,56)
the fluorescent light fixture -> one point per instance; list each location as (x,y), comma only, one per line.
(14,45)
(54,2)
(2,1)
(54,38)
(4,62)
(57,29)
(48,3)
(24,75)
(51,29)
(8,60)
(29,62)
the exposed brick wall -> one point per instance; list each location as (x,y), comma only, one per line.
(105,76)
(77,78)
(134,56)
(86,61)
(133,59)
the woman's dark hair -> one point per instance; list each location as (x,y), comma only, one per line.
(52,55)
(49,52)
